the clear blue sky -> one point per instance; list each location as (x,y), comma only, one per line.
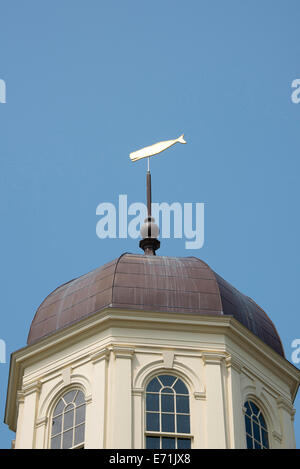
(90,81)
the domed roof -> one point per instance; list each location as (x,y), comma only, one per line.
(151,283)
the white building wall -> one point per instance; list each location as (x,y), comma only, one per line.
(112,366)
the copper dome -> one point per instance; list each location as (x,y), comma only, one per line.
(139,282)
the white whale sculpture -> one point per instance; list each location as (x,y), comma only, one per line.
(155,149)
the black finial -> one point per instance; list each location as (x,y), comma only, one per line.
(149,233)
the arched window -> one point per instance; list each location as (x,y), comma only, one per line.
(167,414)
(68,421)
(256,428)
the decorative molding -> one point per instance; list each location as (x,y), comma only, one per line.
(88,399)
(183,371)
(30,388)
(77,380)
(248,375)
(102,354)
(214,358)
(66,376)
(137,391)
(122,352)
(200,395)
(168,357)
(235,363)
(284,404)
(146,370)
(258,388)
(277,436)
(40,422)
(264,403)
(20,397)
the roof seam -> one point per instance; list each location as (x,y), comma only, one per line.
(113,282)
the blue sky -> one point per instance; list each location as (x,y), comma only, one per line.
(90,81)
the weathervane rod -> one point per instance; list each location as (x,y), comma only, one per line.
(149,195)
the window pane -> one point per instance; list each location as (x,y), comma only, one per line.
(249,442)
(79,435)
(182,404)
(152,402)
(180,387)
(68,439)
(168,443)
(68,419)
(68,408)
(248,425)
(262,421)
(254,408)
(55,442)
(256,445)
(183,443)
(59,408)
(79,398)
(56,425)
(256,433)
(248,411)
(167,423)
(80,414)
(255,419)
(167,403)
(265,441)
(183,424)
(167,380)
(154,385)
(152,442)
(167,391)
(69,396)
(152,422)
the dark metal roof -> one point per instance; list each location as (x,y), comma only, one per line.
(139,282)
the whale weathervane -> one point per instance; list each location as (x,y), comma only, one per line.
(155,149)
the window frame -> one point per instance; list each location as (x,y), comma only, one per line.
(176,435)
(56,400)
(267,427)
